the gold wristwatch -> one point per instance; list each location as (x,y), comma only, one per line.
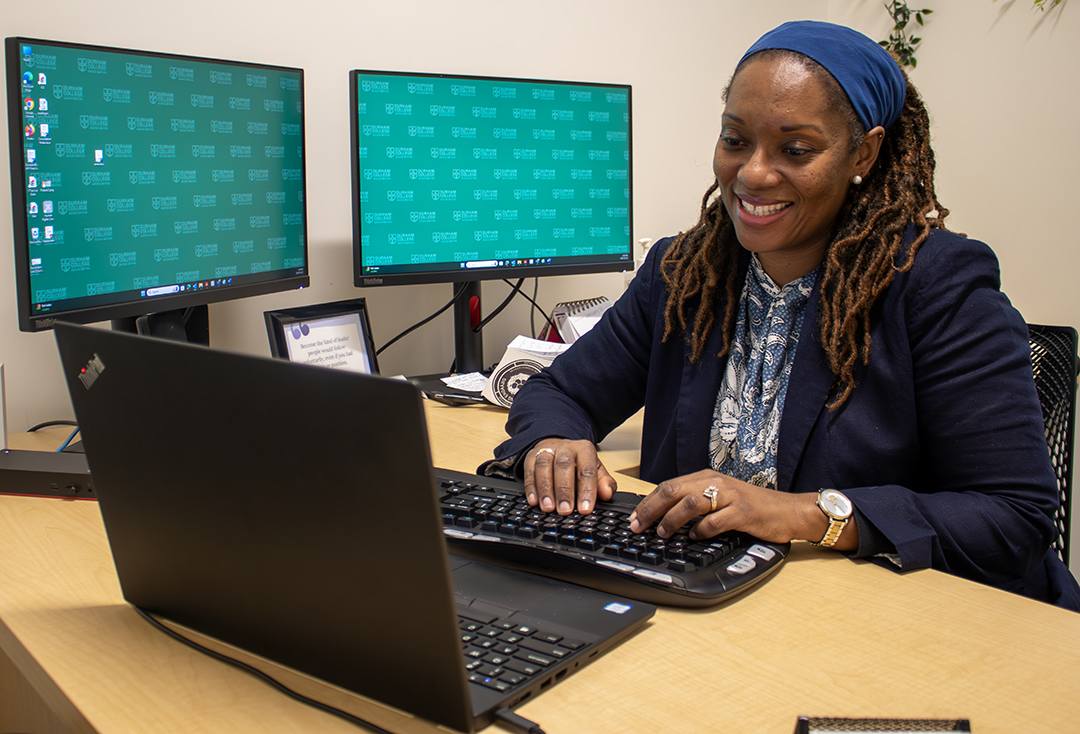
(838,508)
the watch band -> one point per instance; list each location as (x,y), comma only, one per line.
(833,533)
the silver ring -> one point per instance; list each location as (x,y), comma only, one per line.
(710,492)
(545,451)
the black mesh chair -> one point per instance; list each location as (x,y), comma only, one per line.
(1054,361)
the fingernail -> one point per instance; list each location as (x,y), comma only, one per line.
(662,532)
(585,506)
(547,504)
(564,508)
(532,499)
(635,526)
(633,516)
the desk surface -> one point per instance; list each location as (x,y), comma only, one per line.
(826,636)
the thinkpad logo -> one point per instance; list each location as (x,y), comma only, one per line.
(89,374)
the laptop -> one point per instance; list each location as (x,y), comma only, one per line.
(291,511)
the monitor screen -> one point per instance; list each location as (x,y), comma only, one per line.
(145,182)
(465,178)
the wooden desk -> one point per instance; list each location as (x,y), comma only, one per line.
(826,637)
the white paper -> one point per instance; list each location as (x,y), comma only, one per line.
(536,346)
(470,381)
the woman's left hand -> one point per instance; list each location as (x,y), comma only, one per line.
(764,513)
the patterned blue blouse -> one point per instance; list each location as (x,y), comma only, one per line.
(746,421)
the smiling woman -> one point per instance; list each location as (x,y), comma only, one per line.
(818,357)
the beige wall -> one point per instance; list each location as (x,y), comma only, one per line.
(1000,80)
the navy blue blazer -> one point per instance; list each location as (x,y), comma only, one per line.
(940,446)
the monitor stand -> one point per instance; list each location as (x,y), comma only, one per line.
(182,324)
(468,344)
(468,349)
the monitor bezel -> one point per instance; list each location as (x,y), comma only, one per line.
(450,275)
(28,322)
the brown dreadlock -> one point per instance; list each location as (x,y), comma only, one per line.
(860,262)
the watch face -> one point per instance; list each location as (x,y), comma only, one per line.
(835,504)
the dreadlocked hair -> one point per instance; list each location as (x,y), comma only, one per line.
(866,251)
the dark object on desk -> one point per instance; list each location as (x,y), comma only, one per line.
(456,398)
(322,333)
(434,384)
(45,474)
(489,519)
(815,725)
(276,540)
(1056,367)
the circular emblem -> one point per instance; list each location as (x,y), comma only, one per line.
(509,378)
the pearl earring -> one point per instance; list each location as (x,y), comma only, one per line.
(857,179)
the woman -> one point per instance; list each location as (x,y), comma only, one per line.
(817,330)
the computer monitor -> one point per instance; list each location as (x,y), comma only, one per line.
(466,178)
(151,183)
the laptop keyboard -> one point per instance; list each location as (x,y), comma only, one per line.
(490,519)
(501,653)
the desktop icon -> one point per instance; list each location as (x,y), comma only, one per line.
(47,207)
(48,231)
(32,208)
(41,78)
(99,156)
(27,78)
(28,104)
(31,155)
(27,50)
(43,129)
(35,232)
(43,104)
(29,130)
(31,182)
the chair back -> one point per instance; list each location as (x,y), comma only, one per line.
(1055,365)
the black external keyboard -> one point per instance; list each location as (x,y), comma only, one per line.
(489,519)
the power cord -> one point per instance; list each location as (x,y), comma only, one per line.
(517,723)
(261,675)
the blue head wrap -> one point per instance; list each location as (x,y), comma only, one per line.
(865,71)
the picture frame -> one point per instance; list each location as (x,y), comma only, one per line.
(335,335)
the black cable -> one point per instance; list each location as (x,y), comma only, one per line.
(48,424)
(414,327)
(260,675)
(518,723)
(532,311)
(506,302)
(536,307)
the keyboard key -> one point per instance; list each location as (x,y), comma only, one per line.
(489,682)
(523,666)
(534,657)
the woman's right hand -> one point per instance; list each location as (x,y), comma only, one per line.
(560,472)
